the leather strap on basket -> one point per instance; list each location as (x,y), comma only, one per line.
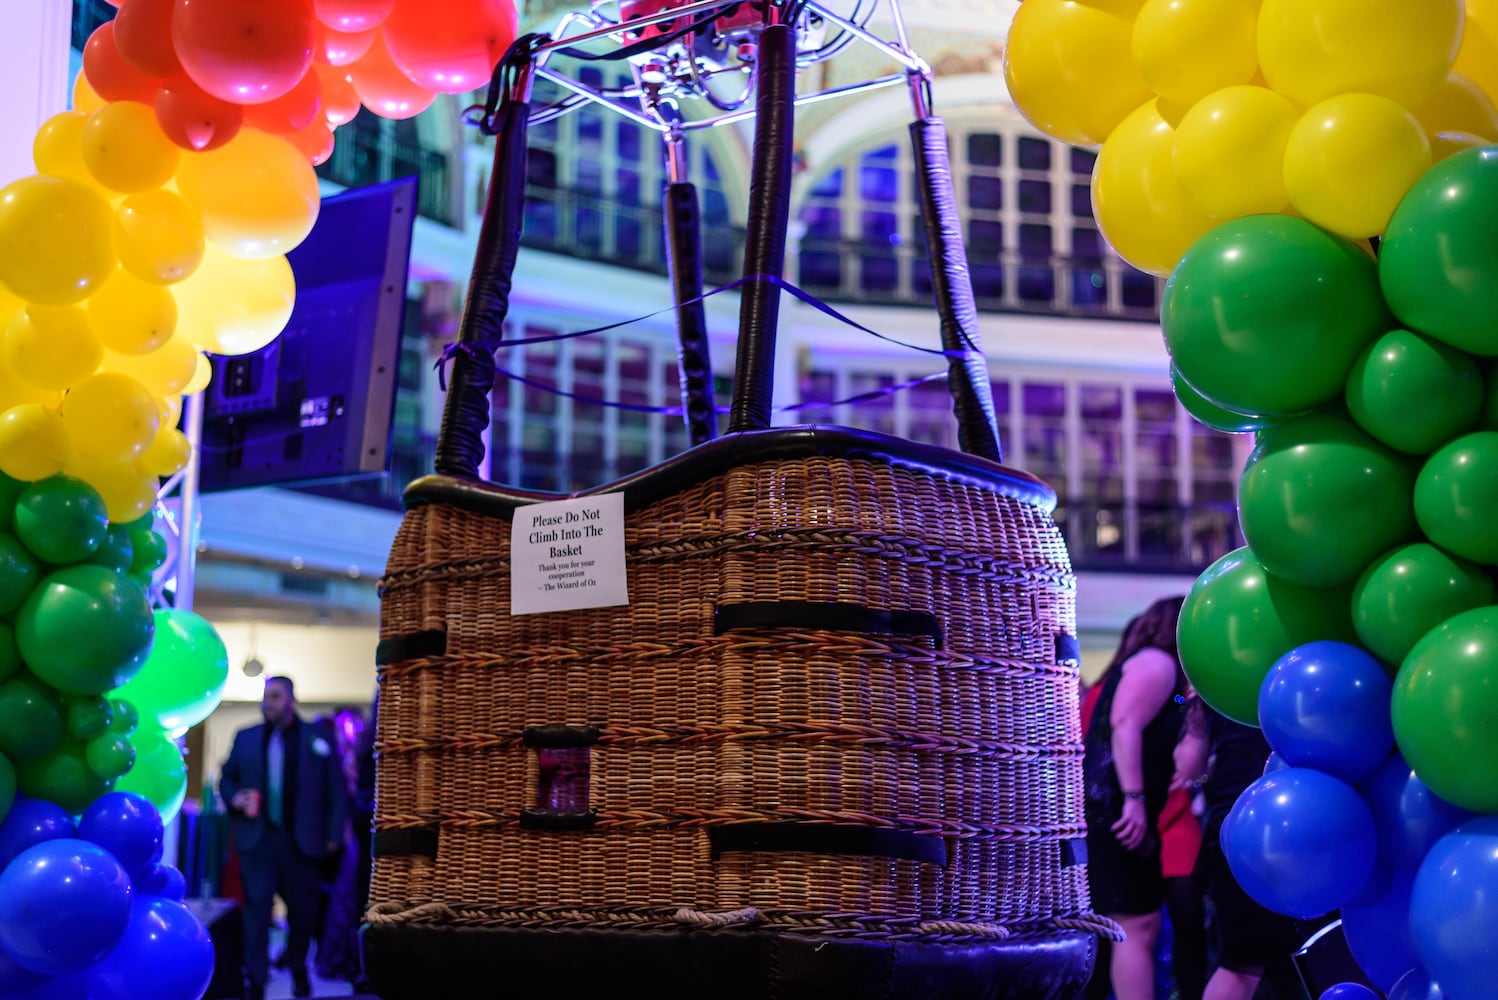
(465,415)
(972,395)
(769,218)
(684,254)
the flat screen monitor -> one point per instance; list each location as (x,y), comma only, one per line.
(317,404)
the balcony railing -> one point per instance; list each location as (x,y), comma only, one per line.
(370,151)
(1149,538)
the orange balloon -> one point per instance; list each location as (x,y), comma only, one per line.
(193,118)
(339,101)
(450,46)
(384,88)
(258,196)
(291,112)
(143,32)
(344,48)
(315,141)
(111,76)
(248,51)
(352,15)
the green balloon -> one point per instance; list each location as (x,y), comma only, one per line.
(7,787)
(1444,705)
(124,719)
(117,551)
(61,519)
(1456,497)
(1410,590)
(149,551)
(1209,414)
(18,573)
(159,773)
(62,776)
(1266,314)
(109,756)
(10,492)
(183,677)
(88,716)
(1320,499)
(1237,620)
(1487,420)
(85,629)
(10,653)
(1438,262)
(31,718)
(1412,393)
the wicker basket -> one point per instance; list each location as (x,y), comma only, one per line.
(830,746)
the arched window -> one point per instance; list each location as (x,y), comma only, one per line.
(1026,209)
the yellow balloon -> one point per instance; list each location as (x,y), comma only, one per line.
(56,239)
(1477,60)
(159,236)
(33,443)
(52,347)
(110,417)
(1068,67)
(15,390)
(1230,152)
(57,149)
(1185,49)
(1459,105)
(1139,203)
(235,306)
(1349,161)
(1444,144)
(164,371)
(201,376)
(131,316)
(168,453)
(1310,50)
(128,488)
(85,98)
(257,194)
(126,150)
(10,304)
(169,408)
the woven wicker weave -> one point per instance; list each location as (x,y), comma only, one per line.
(974,740)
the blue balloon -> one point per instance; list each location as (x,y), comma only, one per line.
(63,905)
(127,826)
(1299,842)
(164,881)
(31,822)
(1348,991)
(1410,818)
(1454,908)
(1274,762)
(15,977)
(165,946)
(1416,985)
(1379,934)
(1325,705)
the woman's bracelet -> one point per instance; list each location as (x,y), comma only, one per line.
(1133,795)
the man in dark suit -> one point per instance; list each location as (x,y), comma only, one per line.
(285,790)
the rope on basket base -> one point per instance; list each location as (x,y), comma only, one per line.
(724,918)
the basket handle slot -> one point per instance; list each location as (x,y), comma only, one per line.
(411,646)
(826,838)
(404,843)
(830,615)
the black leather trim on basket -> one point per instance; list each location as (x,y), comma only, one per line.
(404,843)
(412,646)
(407,961)
(832,615)
(1068,649)
(557,819)
(732,451)
(558,737)
(825,838)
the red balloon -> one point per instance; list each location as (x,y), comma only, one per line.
(143,32)
(450,46)
(352,15)
(346,48)
(193,118)
(383,88)
(316,141)
(291,113)
(109,74)
(340,102)
(248,51)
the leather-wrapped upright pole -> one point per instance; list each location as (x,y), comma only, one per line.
(972,395)
(683,222)
(769,219)
(465,413)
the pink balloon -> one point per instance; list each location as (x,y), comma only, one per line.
(247,51)
(384,88)
(352,15)
(450,46)
(344,48)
